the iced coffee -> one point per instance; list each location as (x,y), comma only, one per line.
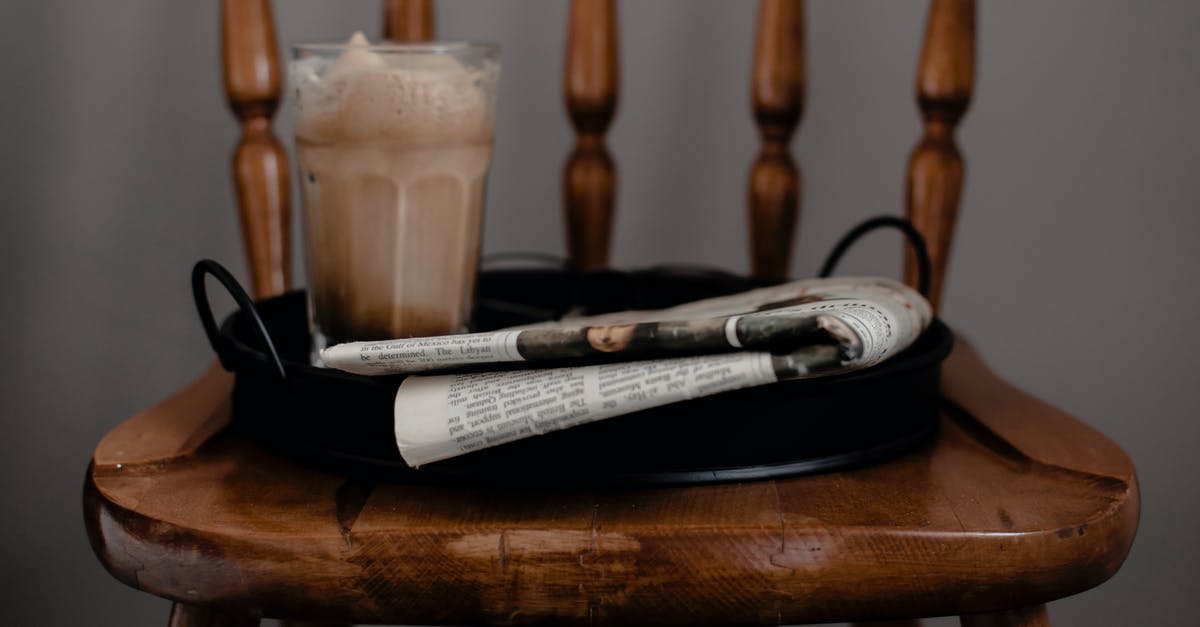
(393,144)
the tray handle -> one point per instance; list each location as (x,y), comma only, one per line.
(219,343)
(904,226)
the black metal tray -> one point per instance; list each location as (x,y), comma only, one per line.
(345,421)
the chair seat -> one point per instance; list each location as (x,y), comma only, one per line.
(1015,504)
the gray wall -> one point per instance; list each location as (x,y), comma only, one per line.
(1074,269)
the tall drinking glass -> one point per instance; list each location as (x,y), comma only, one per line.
(393,144)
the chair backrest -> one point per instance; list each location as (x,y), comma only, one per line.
(935,169)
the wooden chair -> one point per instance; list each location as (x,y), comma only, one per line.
(1015,505)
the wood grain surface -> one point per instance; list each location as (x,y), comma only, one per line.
(1015,505)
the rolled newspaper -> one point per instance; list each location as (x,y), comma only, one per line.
(795,330)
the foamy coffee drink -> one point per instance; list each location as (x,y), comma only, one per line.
(393,145)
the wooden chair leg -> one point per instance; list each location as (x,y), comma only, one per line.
(187,615)
(1033,616)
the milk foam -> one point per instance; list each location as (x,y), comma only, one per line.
(390,96)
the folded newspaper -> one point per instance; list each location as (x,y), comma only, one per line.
(632,360)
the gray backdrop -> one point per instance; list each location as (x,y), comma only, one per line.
(1074,269)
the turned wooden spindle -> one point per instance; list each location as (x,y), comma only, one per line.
(1034,616)
(408,20)
(260,165)
(186,615)
(589,178)
(777,88)
(935,168)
